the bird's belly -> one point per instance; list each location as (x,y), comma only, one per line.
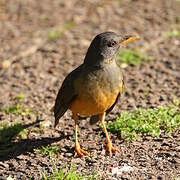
(95,102)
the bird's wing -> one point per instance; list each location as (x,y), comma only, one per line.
(111,108)
(66,95)
(120,92)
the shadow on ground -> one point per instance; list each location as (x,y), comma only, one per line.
(10,149)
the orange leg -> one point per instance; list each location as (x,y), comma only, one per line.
(78,149)
(109,147)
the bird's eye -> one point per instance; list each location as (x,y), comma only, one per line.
(112,43)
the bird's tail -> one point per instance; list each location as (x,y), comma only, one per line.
(56,119)
(52,109)
(56,122)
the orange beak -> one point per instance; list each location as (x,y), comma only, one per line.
(128,39)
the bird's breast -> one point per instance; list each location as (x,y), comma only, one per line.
(97,91)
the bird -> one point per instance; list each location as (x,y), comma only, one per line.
(93,88)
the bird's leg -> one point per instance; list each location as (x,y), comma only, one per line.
(78,149)
(109,148)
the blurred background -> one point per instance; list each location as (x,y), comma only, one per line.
(42,41)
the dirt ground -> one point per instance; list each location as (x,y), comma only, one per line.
(38,65)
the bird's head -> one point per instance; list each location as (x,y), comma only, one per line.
(106,45)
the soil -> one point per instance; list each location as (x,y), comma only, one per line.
(32,64)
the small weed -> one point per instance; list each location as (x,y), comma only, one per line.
(37,130)
(54,33)
(19,97)
(7,133)
(173,34)
(22,134)
(146,122)
(63,173)
(68,25)
(16,109)
(47,150)
(132,57)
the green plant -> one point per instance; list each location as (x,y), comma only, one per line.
(38,130)
(16,109)
(22,134)
(47,150)
(19,97)
(132,57)
(56,33)
(53,34)
(146,122)
(173,34)
(9,132)
(64,174)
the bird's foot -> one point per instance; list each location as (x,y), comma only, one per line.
(110,149)
(80,152)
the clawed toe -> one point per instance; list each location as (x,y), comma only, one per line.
(80,152)
(111,150)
